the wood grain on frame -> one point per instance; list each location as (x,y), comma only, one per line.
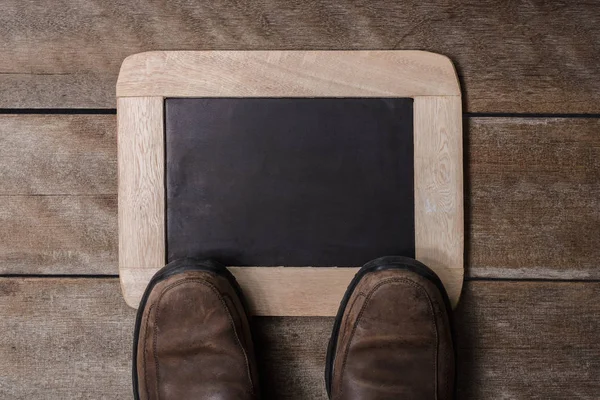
(141,187)
(429,78)
(271,291)
(287,74)
(439,221)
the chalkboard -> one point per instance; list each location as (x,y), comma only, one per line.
(289,181)
(292,159)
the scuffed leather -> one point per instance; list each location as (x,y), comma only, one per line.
(195,342)
(395,341)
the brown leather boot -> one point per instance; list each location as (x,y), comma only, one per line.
(392,337)
(192,339)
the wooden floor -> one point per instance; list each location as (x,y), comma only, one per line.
(529,321)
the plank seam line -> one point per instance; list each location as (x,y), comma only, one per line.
(527,115)
(68,111)
(113,111)
(467,279)
(68,276)
(558,280)
(58,195)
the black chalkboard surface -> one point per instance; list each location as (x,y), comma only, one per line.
(323,182)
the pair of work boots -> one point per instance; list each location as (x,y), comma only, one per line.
(391,338)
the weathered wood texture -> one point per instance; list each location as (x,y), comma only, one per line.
(534,198)
(71,339)
(58,234)
(58,154)
(58,194)
(529,340)
(517,57)
(532,192)
(291,353)
(64,339)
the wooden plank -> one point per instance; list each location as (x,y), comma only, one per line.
(141,185)
(58,198)
(525,57)
(534,198)
(525,340)
(71,338)
(58,155)
(64,339)
(278,73)
(58,234)
(292,356)
(438,187)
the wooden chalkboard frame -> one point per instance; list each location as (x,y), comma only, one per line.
(146,79)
